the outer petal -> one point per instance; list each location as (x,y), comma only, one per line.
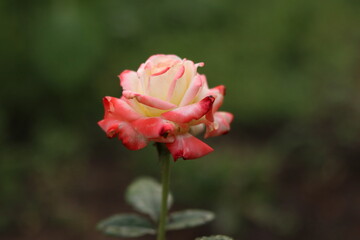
(188,147)
(153,127)
(190,112)
(221,124)
(130,137)
(116,108)
(149,100)
(129,80)
(219,93)
(110,126)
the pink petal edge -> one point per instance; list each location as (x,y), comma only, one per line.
(129,80)
(221,124)
(188,147)
(118,109)
(190,112)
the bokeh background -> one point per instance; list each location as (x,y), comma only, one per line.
(289,169)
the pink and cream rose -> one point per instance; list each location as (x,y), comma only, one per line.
(166,100)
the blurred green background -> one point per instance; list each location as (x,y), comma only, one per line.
(289,169)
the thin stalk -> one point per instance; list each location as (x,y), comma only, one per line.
(164,157)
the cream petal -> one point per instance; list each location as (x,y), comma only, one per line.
(183,83)
(158,85)
(149,100)
(129,80)
(192,90)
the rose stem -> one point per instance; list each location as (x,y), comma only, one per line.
(164,157)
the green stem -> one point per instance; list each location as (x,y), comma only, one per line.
(164,157)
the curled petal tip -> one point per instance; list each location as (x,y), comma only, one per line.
(221,89)
(161,71)
(190,112)
(110,127)
(108,105)
(221,125)
(101,124)
(209,99)
(112,132)
(121,75)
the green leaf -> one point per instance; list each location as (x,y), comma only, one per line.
(126,225)
(188,218)
(215,237)
(144,195)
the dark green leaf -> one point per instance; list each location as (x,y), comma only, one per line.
(144,195)
(126,225)
(188,218)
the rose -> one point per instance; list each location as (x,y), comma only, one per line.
(166,101)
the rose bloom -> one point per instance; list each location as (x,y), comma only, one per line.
(166,100)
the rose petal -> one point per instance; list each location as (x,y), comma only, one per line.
(178,75)
(200,64)
(126,133)
(129,80)
(158,58)
(187,146)
(160,86)
(153,127)
(160,71)
(110,127)
(190,112)
(116,108)
(210,115)
(149,100)
(183,83)
(192,91)
(130,137)
(204,90)
(219,93)
(221,124)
